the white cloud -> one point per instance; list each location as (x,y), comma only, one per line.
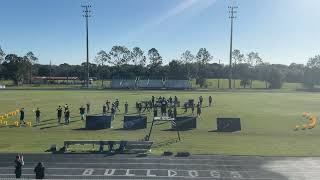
(183,7)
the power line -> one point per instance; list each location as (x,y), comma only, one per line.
(232,16)
(87,12)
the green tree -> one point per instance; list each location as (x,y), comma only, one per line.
(238,58)
(275,79)
(312,72)
(186,59)
(253,59)
(137,57)
(155,61)
(245,74)
(2,56)
(262,73)
(203,56)
(101,58)
(33,60)
(314,62)
(295,73)
(119,55)
(17,68)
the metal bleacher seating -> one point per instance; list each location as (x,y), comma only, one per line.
(177,84)
(150,83)
(123,84)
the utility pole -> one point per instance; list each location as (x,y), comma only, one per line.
(87,12)
(231,12)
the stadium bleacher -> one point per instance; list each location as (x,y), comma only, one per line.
(150,84)
(177,84)
(123,83)
(143,83)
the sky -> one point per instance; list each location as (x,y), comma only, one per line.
(281,31)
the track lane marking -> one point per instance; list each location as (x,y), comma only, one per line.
(150,177)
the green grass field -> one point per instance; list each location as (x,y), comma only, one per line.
(267,121)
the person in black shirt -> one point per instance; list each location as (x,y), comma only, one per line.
(155,112)
(140,108)
(174,112)
(117,104)
(152,100)
(18,166)
(199,109)
(108,105)
(22,116)
(175,100)
(165,107)
(104,110)
(37,116)
(200,100)
(39,170)
(88,108)
(185,107)
(126,108)
(192,108)
(66,117)
(210,101)
(66,107)
(82,112)
(113,113)
(59,114)
(170,114)
(149,105)
(170,100)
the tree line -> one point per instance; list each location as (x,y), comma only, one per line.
(121,62)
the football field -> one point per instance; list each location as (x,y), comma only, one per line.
(267,119)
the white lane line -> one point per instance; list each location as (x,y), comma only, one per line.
(150,177)
(111,163)
(163,164)
(249,171)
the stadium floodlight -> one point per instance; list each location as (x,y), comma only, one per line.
(232,16)
(87,12)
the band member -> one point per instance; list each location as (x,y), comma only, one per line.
(199,109)
(39,170)
(82,112)
(22,116)
(18,166)
(210,101)
(37,112)
(59,113)
(126,107)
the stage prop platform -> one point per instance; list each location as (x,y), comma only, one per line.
(228,124)
(98,122)
(184,123)
(134,122)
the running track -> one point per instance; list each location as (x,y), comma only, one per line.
(99,166)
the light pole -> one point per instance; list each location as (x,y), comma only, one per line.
(232,12)
(87,15)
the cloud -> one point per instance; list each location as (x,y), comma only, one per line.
(183,7)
